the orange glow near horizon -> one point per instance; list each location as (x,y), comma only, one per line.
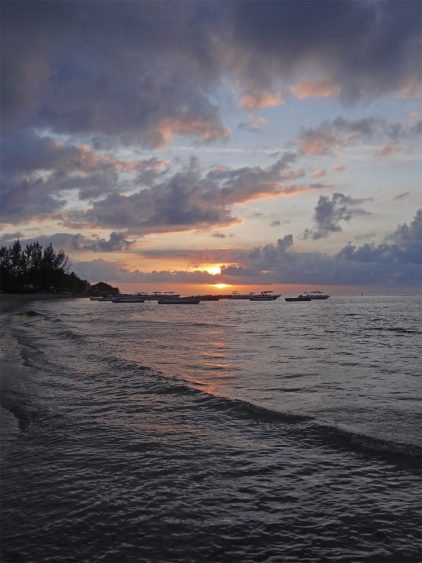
(221,285)
(213,269)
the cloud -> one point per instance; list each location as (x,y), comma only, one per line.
(364,49)
(331,136)
(399,197)
(275,224)
(339,168)
(67,241)
(218,235)
(330,213)
(191,199)
(314,88)
(256,100)
(150,71)
(388,150)
(403,246)
(38,170)
(100,270)
(143,74)
(396,261)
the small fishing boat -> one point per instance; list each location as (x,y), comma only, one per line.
(317,295)
(168,300)
(264,296)
(129,299)
(156,295)
(237,295)
(298,298)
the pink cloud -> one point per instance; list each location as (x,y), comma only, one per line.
(169,128)
(256,100)
(388,150)
(339,168)
(314,88)
(318,173)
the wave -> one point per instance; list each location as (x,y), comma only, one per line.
(349,438)
(30,313)
(397,329)
(304,427)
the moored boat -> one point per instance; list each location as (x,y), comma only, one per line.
(317,295)
(237,295)
(298,298)
(264,296)
(129,299)
(172,300)
(156,295)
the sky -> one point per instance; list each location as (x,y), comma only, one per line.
(207,145)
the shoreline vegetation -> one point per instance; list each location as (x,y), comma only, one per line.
(37,270)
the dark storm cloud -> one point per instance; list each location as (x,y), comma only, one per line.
(133,69)
(113,73)
(366,48)
(329,213)
(149,70)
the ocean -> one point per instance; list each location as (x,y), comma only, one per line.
(228,431)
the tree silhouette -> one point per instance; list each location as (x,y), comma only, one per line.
(37,269)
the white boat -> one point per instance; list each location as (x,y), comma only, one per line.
(317,295)
(264,296)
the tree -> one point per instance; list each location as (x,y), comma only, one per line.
(36,269)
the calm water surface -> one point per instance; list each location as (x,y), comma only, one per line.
(224,431)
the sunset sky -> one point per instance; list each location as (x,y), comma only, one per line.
(255,144)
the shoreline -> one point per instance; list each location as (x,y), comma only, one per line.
(13,372)
(15,302)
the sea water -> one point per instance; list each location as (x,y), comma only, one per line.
(225,431)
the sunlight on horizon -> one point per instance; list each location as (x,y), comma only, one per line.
(212,269)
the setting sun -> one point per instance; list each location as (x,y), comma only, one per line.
(213,269)
(221,285)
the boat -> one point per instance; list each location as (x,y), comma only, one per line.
(173,300)
(237,295)
(264,296)
(298,298)
(156,295)
(317,295)
(208,297)
(129,299)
